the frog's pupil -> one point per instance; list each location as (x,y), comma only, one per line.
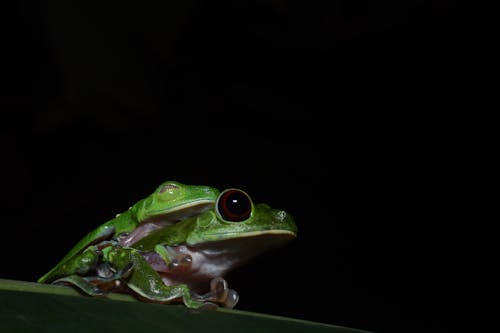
(234,205)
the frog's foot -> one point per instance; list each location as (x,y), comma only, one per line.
(221,294)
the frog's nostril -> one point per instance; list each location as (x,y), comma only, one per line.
(281,215)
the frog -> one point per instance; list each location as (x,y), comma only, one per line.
(171,202)
(184,261)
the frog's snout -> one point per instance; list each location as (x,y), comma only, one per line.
(285,221)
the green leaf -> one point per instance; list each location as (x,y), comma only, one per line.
(34,307)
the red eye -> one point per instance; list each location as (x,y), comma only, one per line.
(234,205)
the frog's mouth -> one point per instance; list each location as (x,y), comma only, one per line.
(159,220)
(180,212)
(261,233)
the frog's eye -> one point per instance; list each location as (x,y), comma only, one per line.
(234,205)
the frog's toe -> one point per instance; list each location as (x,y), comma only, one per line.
(82,283)
(183,262)
(231,300)
(218,289)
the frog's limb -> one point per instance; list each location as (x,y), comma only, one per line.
(80,264)
(147,283)
(77,253)
(220,293)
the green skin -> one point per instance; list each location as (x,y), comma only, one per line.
(173,262)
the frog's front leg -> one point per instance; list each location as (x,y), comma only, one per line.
(147,283)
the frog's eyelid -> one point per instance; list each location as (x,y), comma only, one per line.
(168,187)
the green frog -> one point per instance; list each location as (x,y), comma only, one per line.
(176,245)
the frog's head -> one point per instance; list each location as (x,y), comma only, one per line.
(236,223)
(176,201)
(225,236)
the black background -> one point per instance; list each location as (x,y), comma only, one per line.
(335,111)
